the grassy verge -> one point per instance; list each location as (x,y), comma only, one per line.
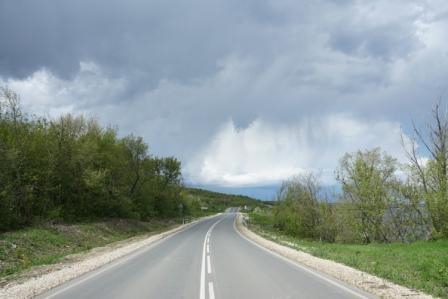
(48,244)
(421,265)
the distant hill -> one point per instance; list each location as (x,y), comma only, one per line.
(217,201)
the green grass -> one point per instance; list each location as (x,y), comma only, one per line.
(420,265)
(48,244)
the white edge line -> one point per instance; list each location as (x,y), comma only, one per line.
(299,265)
(115,263)
(211,291)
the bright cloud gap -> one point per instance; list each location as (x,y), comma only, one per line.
(266,153)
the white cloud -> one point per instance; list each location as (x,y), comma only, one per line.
(266,153)
(43,93)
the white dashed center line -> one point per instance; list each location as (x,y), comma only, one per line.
(206,249)
(209,265)
(211,291)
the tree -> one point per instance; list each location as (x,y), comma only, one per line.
(432,175)
(136,151)
(297,208)
(167,185)
(367,178)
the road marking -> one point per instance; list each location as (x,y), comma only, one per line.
(59,289)
(211,291)
(208,248)
(202,282)
(209,265)
(335,283)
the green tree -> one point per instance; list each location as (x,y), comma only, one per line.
(297,208)
(432,175)
(367,178)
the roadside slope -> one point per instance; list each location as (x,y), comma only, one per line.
(365,281)
(49,243)
(55,275)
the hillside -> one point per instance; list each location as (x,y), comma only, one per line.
(214,202)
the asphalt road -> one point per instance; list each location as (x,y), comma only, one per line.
(208,260)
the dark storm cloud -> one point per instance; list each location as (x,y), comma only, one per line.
(157,38)
(148,40)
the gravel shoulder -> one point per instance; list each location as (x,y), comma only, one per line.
(367,282)
(40,279)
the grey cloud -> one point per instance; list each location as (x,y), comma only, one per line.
(145,40)
(384,41)
(157,38)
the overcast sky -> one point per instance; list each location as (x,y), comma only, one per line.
(244,92)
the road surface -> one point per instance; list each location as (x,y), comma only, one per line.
(208,260)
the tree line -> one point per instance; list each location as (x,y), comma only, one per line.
(381,200)
(72,168)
